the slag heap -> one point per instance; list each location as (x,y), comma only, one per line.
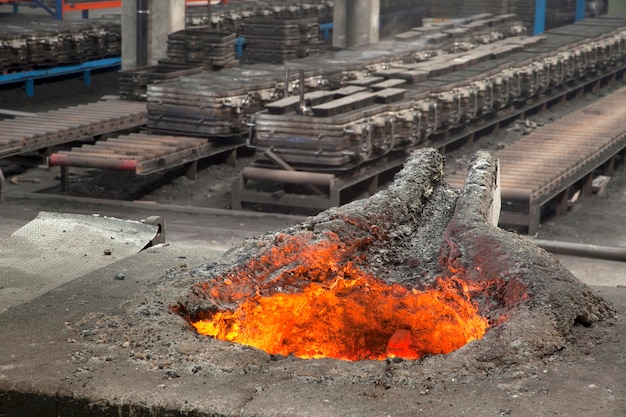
(417,269)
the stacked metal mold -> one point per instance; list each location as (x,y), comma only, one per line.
(440,95)
(462,34)
(201,46)
(215,104)
(230,16)
(279,39)
(221,104)
(189,51)
(40,44)
(133,83)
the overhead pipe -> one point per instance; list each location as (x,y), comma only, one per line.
(609,253)
(142,33)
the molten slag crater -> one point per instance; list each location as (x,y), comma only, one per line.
(312,299)
(417,269)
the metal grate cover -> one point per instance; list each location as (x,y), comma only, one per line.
(55,248)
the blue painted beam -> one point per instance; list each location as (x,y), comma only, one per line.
(581,9)
(43,6)
(540,17)
(85,68)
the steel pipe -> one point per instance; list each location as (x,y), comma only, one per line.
(609,253)
(288,177)
(77,161)
(142,33)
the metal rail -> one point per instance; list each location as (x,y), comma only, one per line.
(582,250)
(30,133)
(29,77)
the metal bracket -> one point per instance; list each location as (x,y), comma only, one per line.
(160,236)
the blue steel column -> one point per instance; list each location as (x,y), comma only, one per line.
(581,8)
(540,17)
(59,10)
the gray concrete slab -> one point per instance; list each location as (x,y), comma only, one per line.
(55,248)
(68,352)
(49,366)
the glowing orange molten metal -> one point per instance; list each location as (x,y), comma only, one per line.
(334,309)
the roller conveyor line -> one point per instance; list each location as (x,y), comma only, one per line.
(29,133)
(141,153)
(546,164)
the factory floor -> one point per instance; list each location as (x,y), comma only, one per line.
(50,363)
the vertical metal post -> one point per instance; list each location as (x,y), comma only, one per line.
(58,12)
(239,42)
(87,78)
(65,178)
(30,87)
(142,33)
(581,8)
(540,17)
(1,186)
(302,104)
(286,85)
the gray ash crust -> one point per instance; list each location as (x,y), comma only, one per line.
(427,228)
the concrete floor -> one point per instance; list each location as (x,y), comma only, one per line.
(48,369)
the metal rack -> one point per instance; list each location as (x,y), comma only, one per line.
(29,77)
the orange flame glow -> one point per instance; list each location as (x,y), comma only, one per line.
(352,320)
(307,300)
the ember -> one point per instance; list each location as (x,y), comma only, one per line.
(326,306)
